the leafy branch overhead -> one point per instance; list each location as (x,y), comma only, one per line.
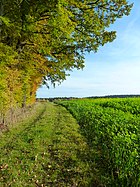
(50,37)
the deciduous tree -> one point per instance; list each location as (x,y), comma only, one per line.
(50,37)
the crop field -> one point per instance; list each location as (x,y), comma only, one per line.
(112,130)
(81,142)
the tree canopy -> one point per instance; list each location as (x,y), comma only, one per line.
(40,40)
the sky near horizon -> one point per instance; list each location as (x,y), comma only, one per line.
(113,70)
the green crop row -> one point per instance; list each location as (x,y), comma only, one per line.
(113,135)
(131,105)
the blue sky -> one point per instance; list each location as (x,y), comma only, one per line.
(113,70)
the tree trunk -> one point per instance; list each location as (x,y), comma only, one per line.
(1,14)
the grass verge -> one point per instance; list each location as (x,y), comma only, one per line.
(45,150)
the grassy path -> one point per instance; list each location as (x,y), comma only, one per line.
(47,150)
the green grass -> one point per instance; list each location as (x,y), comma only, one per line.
(51,149)
(45,150)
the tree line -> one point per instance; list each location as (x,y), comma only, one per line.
(41,40)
